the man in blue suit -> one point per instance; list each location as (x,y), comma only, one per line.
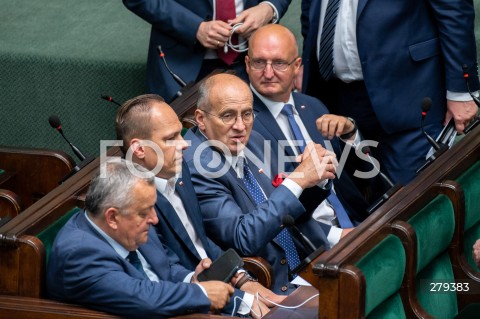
(380,58)
(150,131)
(272,65)
(193,36)
(110,259)
(240,206)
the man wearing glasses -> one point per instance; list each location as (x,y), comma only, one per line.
(240,206)
(273,64)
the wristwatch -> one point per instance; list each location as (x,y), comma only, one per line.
(346,136)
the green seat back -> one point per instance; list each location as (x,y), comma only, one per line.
(470,182)
(384,267)
(434,226)
(47,236)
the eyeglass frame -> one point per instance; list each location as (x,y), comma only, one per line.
(287,64)
(235,119)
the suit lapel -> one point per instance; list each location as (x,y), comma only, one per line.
(361,6)
(309,117)
(171,218)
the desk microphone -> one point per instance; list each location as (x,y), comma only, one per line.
(393,188)
(55,123)
(439,148)
(467,81)
(109,99)
(175,77)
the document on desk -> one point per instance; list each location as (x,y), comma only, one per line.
(300,281)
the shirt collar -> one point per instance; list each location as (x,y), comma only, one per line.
(118,248)
(274,107)
(165,186)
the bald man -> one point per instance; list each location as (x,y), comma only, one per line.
(272,65)
(240,206)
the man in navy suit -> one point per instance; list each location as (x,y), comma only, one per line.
(272,65)
(110,259)
(191,34)
(240,206)
(380,58)
(150,131)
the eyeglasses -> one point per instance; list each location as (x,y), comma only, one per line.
(230,118)
(278,65)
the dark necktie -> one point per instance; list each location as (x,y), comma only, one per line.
(225,10)
(337,206)
(135,261)
(284,238)
(325,57)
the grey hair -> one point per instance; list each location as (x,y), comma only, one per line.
(203,100)
(113,188)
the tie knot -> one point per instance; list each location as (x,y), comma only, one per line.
(133,256)
(287,110)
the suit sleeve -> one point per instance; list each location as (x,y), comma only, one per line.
(455,22)
(169,17)
(100,281)
(247,230)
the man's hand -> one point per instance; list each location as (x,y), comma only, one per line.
(202,265)
(334,125)
(213,34)
(317,164)
(252,19)
(462,113)
(218,293)
(252,287)
(345,231)
(259,309)
(476,252)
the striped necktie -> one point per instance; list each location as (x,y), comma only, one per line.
(325,57)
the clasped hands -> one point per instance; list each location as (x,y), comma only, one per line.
(214,34)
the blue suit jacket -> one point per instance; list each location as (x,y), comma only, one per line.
(231,216)
(84,269)
(309,110)
(173,235)
(174,27)
(408,49)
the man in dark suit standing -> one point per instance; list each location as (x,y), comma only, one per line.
(194,35)
(240,206)
(110,259)
(375,60)
(272,65)
(150,131)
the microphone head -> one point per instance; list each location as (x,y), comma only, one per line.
(288,221)
(159,50)
(426,104)
(54,122)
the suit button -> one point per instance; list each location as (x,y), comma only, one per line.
(283,261)
(284,288)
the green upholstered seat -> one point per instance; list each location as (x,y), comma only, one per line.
(47,236)
(434,226)
(384,268)
(470,182)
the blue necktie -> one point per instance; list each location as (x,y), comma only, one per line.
(325,56)
(284,238)
(340,212)
(135,261)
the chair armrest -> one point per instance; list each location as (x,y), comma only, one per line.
(10,204)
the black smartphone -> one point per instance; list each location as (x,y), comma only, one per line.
(223,268)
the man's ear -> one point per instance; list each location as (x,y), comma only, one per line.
(111,219)
(137,148)
(200,119)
